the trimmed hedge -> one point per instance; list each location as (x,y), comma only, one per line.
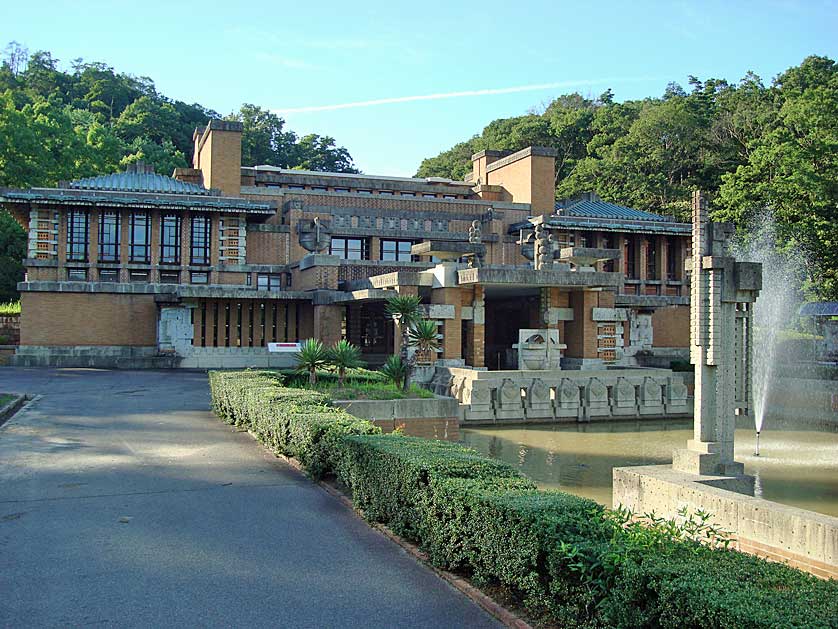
(569,560)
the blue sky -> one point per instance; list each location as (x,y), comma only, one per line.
(295,56)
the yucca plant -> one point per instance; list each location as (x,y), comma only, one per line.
(310,358)
(344,355)
(395,369)
(405,311)
(422,336)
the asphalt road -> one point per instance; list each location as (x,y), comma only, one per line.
(125,502)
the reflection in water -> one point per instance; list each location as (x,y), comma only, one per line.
(797,467)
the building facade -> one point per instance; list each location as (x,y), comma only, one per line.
(210,266)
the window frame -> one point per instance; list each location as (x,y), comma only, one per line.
(109,248)
(206,235)
(174,246)
(78,235)
(343,252)
(135,247)
(398,252)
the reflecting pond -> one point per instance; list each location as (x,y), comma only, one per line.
(797,467)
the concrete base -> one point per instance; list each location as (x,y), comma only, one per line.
(431,418)
(705,463)
(804,539)
(93,356)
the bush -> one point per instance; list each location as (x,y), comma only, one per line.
(569,560)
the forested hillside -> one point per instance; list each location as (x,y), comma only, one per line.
(60,125)
(756,148)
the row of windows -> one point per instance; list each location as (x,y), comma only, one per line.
(264,281)
(366,191)
(359,249)
(139,237)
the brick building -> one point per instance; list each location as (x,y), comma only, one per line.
(207,267)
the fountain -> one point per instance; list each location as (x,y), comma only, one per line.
(777,304)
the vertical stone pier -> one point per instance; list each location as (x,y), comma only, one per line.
(722,295)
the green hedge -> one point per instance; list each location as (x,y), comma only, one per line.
(569,560)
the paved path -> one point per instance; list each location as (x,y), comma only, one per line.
(124,502)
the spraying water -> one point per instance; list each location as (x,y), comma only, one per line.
(774,310)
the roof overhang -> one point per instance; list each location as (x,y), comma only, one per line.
(488,276)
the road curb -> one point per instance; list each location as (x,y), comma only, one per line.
(499,612)
(11,408)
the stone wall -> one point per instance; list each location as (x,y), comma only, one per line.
(562,395)
(431,418)
(9,329)
(803,539)
(70,319)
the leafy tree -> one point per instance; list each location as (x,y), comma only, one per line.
(318,152)
(12,251)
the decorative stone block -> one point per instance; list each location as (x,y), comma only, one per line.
(623,398)
(538,402)
(508,401)
(651,397)
(567,400)
(596,399)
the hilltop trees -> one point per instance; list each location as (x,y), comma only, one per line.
(755,148)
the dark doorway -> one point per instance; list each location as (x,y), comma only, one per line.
(504,317)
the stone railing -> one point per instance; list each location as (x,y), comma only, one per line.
(566,396)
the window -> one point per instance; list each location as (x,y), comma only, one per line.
(268,281)
(608,243)
(201,234)
(364,191)
(386,193)
(108,275)
(296,187)
(78,235)
(77,275)
(449,196)
(341,189)
(170,277)
(139,247)
(652,260)
(628,254)
(350,248)
(170,239)
(199,277)
(109,237)
(397,250)
(429,195)
(319,188)
(138,276)
(407,194)
(671,259)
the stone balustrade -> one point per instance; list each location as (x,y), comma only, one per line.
(562,395)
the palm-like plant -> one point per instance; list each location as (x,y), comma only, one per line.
(422,336)
(405,308)
(395,370)
(310,358)
(344,355)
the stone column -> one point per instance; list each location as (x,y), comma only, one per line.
(719,284)
(477,330)
(451,328)
(327,323)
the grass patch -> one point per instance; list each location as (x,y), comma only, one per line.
(5,398)
(10,308)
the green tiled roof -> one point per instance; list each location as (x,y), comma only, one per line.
(604,209)
(140,182)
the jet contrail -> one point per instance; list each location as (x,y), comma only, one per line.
(486,92)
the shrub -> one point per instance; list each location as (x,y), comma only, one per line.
(569,560)
(311,357)
(344,355)
(395,370)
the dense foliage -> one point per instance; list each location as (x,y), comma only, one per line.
(569,560)
(756,149)
(58,125)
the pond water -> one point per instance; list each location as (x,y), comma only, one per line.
(796,466)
